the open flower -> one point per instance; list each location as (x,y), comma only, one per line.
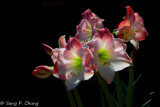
(73,63)
(132,28)
(42,71)
(88,26)
(109,54)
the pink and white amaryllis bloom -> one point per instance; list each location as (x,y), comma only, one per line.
(42,71)
(88,26)
(132,28)
(109,54)
(73,63)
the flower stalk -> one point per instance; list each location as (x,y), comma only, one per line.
(70,96)
(77,97)
(109,97)
(131,79)
(119,90)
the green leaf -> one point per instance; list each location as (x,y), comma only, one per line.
(136,80)
(147,100)
(114,32)
(146,103)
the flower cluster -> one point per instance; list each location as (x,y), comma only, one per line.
(93,49)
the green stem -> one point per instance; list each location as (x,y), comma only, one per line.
(119,90)
(77,97)
(70,97)
(131,79)
(106,91)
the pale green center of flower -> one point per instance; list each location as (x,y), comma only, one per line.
(103,56)
(77,63)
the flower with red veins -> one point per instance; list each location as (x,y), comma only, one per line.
(42,71)
(109,54)
(132,28)
(73,63)
(88,26)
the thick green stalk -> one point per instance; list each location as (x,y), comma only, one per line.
(119,90)
(77,97)
(70,97)
(106,91)
(131,79)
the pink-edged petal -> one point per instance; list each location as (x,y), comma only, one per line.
(119,56)
(141,35)
(107,73)
(119,45)
(84,31)
(130,14)
(63,65)
(87,73)
(87,14)
(56,66)
(96,23)
(47,49)
(135,43)
(73,44)
(106,38)
(42,71)
(141,32)
(124,23)
(55,53)
(86,56)
(62,42)
(138,18)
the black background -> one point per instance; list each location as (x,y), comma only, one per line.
(27,24)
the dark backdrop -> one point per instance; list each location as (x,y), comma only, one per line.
(27,24)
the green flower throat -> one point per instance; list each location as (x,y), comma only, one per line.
(103,56)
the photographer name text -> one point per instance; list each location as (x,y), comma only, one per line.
(19,103)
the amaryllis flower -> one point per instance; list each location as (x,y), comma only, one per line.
(109,54)
(88,26)
(73,63)
(42,71)
(132,28)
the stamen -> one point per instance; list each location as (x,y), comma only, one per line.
(73,74)
(107,63)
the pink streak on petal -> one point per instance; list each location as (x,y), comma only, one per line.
(107,38)
(138,19)
(87,74)
(130,14)
(73,44)
(62,42)
(47,49)
(55,55)
(124,23)
(42,72)
(119,45)
(87,14)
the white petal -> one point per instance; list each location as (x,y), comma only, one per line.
(72,82)
(135,43)
(119,65)
(106,72)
